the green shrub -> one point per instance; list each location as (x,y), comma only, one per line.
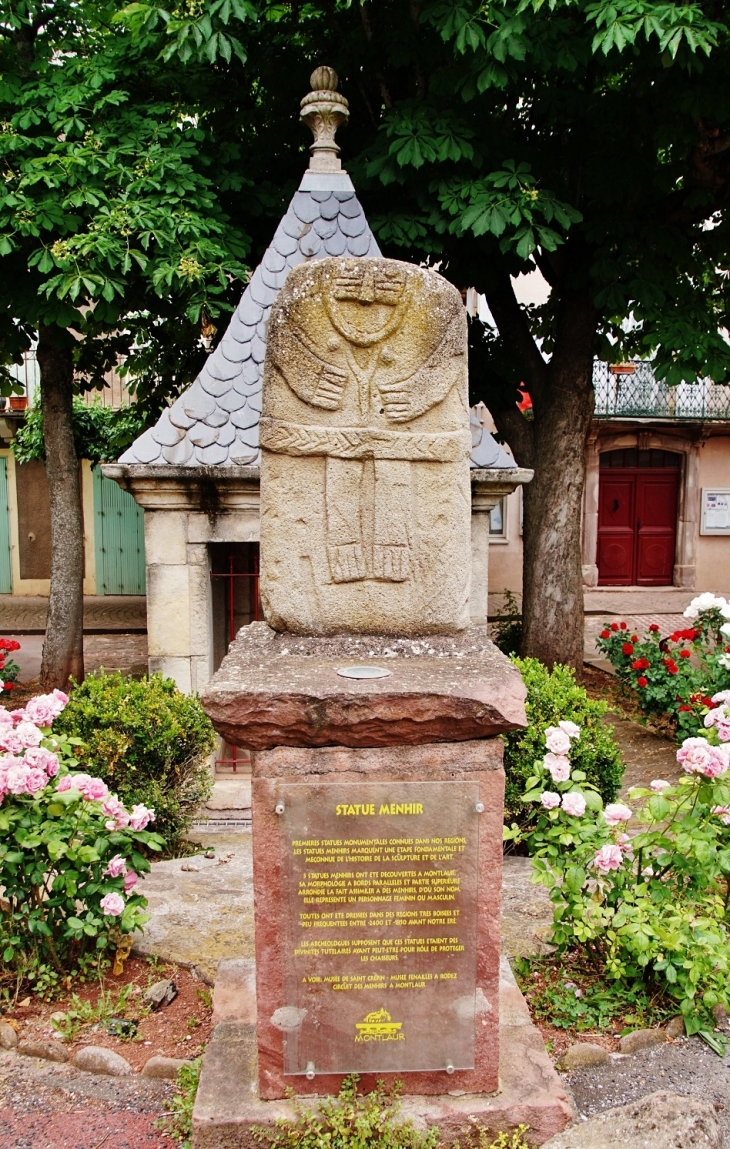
(552,696)
(148,742)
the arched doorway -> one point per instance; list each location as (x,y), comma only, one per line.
(637,517)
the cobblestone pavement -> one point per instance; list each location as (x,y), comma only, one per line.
(115,651)
(26,614)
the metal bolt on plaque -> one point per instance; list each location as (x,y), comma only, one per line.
(279,808)
(479,807)
(310,1071)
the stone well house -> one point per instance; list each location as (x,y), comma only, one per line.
(196,473)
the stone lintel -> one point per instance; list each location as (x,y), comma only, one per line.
(210,489)
(490,484)
(188,488)
(276,689)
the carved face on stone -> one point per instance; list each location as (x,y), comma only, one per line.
(367,300)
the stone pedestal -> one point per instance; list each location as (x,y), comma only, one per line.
(345,765)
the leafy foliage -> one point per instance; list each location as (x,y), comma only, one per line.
(652,908)
(351,1120)
(178,1122)
(148,741)
(65,906)
(676,675)
(101,434)
(552,696)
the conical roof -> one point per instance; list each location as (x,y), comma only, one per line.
(216,421)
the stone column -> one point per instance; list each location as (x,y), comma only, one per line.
(168,596)
(487,488)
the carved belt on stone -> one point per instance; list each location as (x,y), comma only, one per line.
(388,505)
(364,442)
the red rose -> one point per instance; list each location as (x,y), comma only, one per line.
(605,634)
(614,626)
(641,681)
(627,648)
(685,707)
(654,628)
(671,666)
(707,702)
(685,654)
(624,626)
(640,664)
(10,686)
(634,638)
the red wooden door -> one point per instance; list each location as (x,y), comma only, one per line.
(616,529)
(656,521)
(637,518)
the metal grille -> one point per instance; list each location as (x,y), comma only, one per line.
(631,389)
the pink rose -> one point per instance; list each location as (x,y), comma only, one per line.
(140,817)
(38,712)
(559,767)
(723,812)
(6,718)
(570,728)
(16,778)
(112,905)
(723,730)
(11,741)
(557,740)
(116,867)
(722,696)
(61,699)
(695,755)
(17,716)
(549,799)
(608,858)
(29,734)
(114,808)
(616,813)
(130,881)
(64,783)
(41,759)
(574,804)
(94,790)
(659,784)
(36,780)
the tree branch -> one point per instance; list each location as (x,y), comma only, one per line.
(514,329)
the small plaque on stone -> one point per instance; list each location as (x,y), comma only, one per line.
(380,947)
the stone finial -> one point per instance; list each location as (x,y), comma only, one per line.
(324,110)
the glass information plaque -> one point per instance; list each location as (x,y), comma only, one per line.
(380,945)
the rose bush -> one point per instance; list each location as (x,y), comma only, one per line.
(555,699)
(9,669)
(652,907)
(676,675)
(70,853)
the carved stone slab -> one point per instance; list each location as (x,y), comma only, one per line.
(365,508)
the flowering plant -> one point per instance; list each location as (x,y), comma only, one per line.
(676,675)
(69,851)
(9,669)
(652,906)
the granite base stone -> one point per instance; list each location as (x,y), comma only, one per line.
(228,1106)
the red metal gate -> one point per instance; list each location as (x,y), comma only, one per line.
(236,612)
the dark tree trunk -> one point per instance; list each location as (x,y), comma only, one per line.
(554,445)
(63,649)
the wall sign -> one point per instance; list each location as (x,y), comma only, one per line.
(715,511)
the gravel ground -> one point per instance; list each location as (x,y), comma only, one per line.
(49,1106)
(686,1067)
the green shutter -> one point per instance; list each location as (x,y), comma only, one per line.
(119,539)
(6,574)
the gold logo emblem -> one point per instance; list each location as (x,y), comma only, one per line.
(379,1026)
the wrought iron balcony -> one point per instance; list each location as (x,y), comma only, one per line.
(630,390)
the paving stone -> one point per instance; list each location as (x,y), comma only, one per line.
(47,1050)
(8,1036)
(659,1121)
(98,1059)
(583,1053)
(165,1067)
(642,1039)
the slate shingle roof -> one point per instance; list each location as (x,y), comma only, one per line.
(216,421)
